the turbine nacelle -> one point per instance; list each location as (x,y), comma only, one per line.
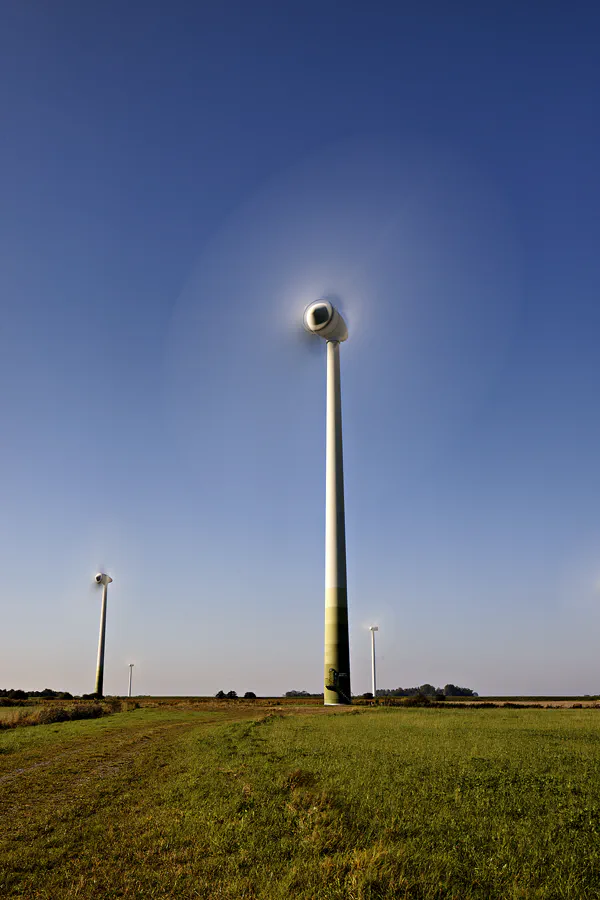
(101,578)
(323,319)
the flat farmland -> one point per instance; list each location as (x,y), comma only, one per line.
(242,801)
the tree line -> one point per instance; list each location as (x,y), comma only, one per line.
(301,694)
(428,690)
(18,694)
(232,695)
(449,690)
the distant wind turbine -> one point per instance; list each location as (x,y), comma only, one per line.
(104,580)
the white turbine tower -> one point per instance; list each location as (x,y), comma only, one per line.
(321,318)
(104,580)
(373,629)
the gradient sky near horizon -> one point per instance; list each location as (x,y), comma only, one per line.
(178,181)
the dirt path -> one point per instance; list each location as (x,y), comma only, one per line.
(47,781)
(115,748)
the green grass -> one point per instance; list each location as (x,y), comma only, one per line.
(413,803)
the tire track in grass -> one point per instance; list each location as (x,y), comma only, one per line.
(84,750)
(52,783)
(52,814)
(78,744)
(55,810)
(35,803)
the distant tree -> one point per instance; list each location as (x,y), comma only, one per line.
(220,695)
(17,694)
(249,695)
(367,695)
(427,689)
(297,694)
(451,690)
(231,695)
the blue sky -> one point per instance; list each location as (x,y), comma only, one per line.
(178,181)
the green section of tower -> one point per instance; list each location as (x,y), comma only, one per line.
(337,648)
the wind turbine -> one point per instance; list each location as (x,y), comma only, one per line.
(324,320)
(389,228)
(373,629)
(104,580)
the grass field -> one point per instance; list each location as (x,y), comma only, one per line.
(239,802)
(14,713)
